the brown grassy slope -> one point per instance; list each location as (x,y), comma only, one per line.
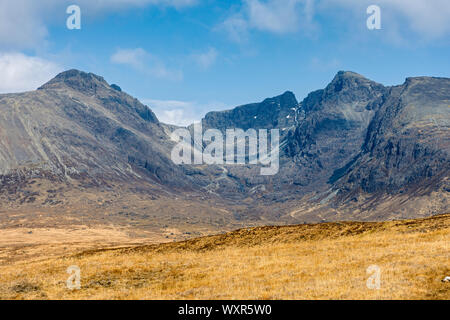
(322,261)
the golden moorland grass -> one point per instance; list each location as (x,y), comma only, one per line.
(321,261)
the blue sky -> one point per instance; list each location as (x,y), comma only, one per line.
(186,57)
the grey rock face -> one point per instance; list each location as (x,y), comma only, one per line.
(116,87)
(353,139)
(277,112)
(407,145)
(77,126)
(331,127)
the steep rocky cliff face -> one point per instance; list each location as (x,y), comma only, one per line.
(346,150)
(350,146)
(332,125)
(407,145)
(277,112)
(77,126)
(318,136)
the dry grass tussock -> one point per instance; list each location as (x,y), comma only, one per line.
(321,261)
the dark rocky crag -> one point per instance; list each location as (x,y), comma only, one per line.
(332,126)
(277,112)
(78,127)
(407,145)
(354,150)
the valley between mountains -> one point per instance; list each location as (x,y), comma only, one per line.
(85,165)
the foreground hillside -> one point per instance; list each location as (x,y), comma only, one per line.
(321,261)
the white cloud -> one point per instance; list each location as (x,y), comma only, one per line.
(132,57)
(20,24)
(318,64)
(181,113)
(142,61)
(274,16)
(427,18)
(24,73)
(91,8)
(137,3)
(24,23)
(279,17)
(236,26)
(206,59)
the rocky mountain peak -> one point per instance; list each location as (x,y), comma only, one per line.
(349,74)
(288,95)
(423,78)
(341,149)
(347,80)
(348,87)
(287,99)
(76,80)
(273,112)
(425,81)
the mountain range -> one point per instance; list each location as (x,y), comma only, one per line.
(79,148)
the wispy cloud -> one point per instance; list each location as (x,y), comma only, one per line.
(20,72)
(142,61)
(318,64)
(169,3)
(24,23)
(236,27)
(429,19)
(181,113)
(274,16)
(132,57)
(206,59)
(21,24)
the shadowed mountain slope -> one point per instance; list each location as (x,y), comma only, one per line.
(77,126)
(355,149)
(407,145)
(276,112)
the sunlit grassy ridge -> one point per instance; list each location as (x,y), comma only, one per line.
(322,261)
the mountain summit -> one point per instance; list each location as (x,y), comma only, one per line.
(76,80)
(348,151)
(271,113)
(78,127)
